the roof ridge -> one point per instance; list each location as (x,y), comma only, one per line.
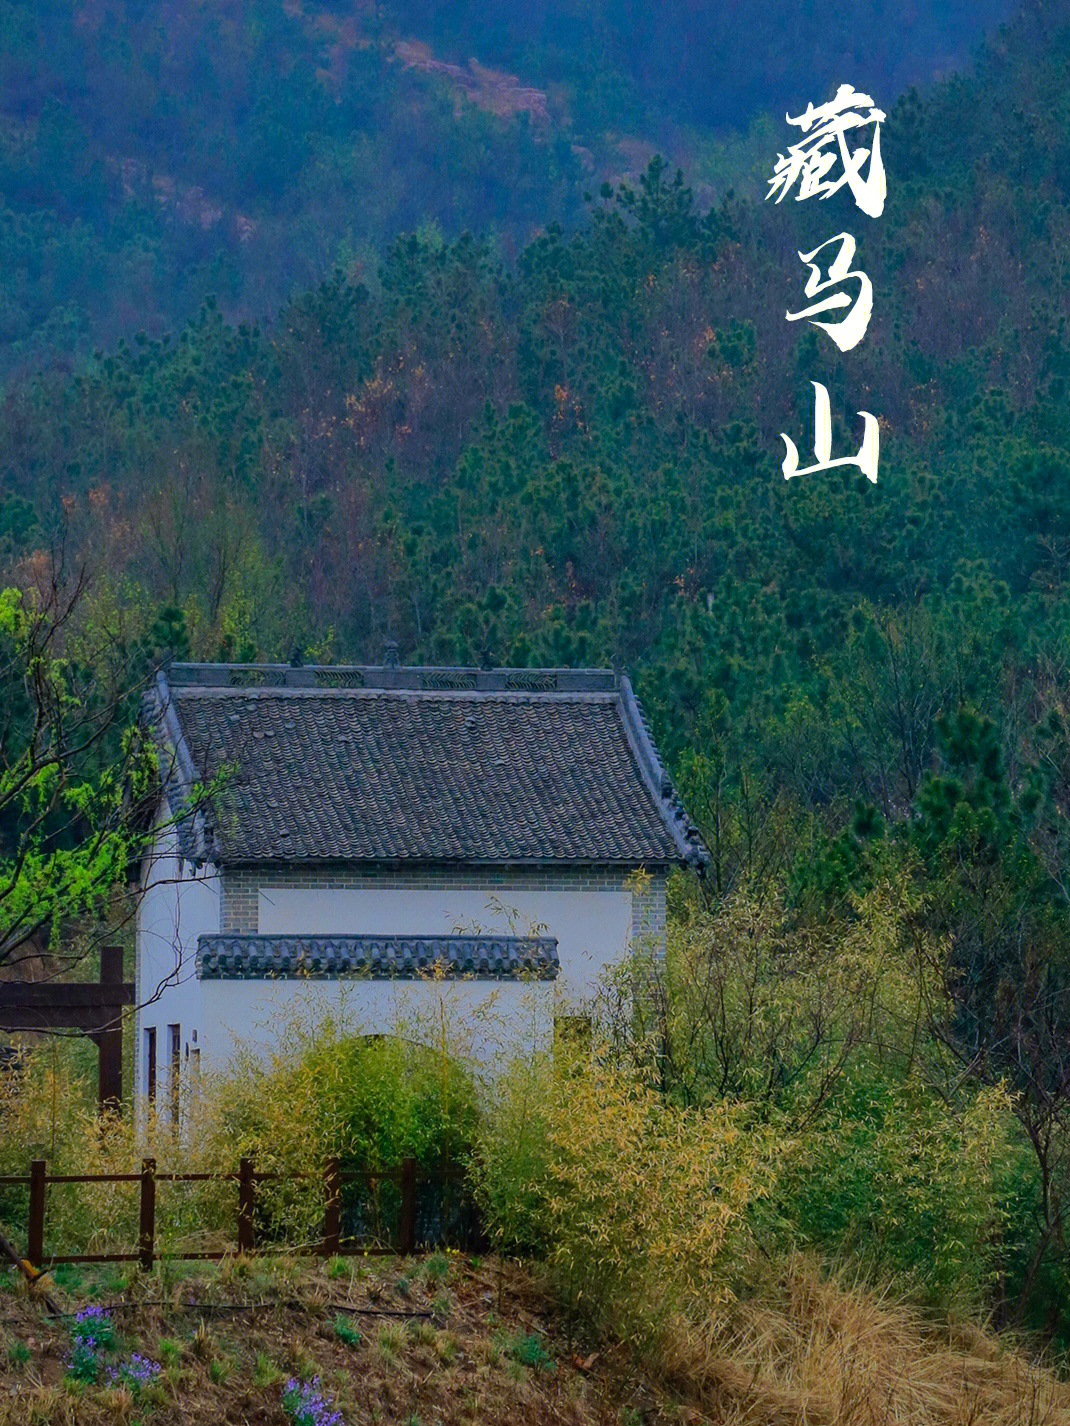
(416,677)
(196,837)
(658,782)
(501,695)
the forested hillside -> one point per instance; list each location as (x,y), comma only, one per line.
(154,152)
(575,457)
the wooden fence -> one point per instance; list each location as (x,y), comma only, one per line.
(332,1243)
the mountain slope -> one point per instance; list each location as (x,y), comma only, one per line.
(153,152)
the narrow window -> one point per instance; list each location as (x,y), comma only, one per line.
(150,1064)
(175,1034)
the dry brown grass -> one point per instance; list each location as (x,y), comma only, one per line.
(808,1351)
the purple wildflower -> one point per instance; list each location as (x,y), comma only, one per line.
(135,1372)
(93,1328)
(307,1404)
(92,1332)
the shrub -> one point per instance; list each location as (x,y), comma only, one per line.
(914,1190)
(819,1026)
(530,1351)
(643,1208)
(370,1101)
(510,1167)
(347,1333)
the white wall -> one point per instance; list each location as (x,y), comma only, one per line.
(485,1021)
(177,905)
(593,928)
(490,1019)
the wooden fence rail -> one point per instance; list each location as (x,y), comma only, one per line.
(331,1244)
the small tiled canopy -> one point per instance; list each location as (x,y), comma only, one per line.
(257,957)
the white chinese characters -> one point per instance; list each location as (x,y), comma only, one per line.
(865,460)
(812,163)
(850,330)
(818,166)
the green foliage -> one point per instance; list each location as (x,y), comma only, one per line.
(67,835)
(18,1354)
(265,1371)
(437,1268)
(530,1351)
(911,1189)
(513,1152)
(347,1333)
(170,1351)
(169,633)
(372,1101)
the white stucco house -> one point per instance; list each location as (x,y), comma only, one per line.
(401,846)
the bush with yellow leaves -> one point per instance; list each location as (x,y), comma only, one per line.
(822,1028)
(643,1208)
(48,1110)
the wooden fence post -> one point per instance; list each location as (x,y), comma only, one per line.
(35,1232)
(332,1211)
(407,1225)
(147,1222)
(246,1198)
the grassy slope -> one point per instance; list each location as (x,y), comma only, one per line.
(484,1346)
(474,1350)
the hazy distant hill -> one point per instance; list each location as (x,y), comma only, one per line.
(702,63)
(153,151)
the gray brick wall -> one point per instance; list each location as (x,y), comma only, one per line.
(241,887)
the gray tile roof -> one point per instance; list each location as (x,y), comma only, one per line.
(530,766)
(377,957)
